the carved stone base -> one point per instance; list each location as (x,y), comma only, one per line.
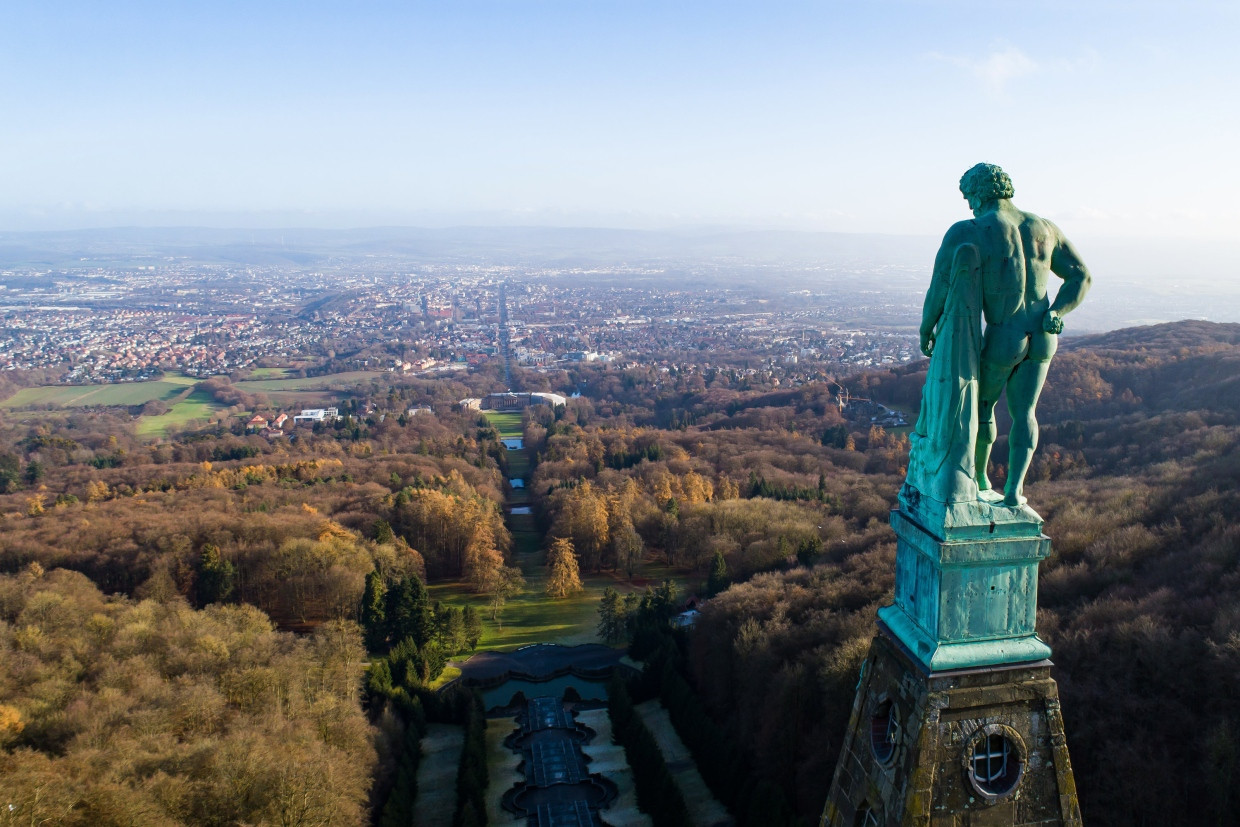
(966,748)
(967,602)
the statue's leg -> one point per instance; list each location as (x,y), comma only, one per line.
(1023,390)
(990,385)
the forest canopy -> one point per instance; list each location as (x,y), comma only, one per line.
(114,710)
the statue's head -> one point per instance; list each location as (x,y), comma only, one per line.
(983,183)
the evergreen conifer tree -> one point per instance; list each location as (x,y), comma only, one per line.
(473,627)
(407,611)
(215,576)
(718,579)
(611,616)
(373,613)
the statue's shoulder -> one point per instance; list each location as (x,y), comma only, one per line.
(961,232)
(1038,222)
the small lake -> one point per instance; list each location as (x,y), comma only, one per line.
(513,443)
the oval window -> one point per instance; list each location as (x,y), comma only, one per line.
(883,733)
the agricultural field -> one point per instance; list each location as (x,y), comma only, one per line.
(270,373)
(296,400)
(122,393)
(331,381)
(197,407)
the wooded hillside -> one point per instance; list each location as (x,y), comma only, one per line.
(1138,478)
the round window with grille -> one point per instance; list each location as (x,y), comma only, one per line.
(995,760)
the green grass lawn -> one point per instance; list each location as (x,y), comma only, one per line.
(198,406)
(530,617)
(450,673)
(518,464)
(508,423)
(522,524)
(533,617)
(270,373)
(329,381)
(120,393)
(296,400)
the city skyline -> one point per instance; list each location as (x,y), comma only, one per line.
(810,116)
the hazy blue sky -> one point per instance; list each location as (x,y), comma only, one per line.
(1113,118)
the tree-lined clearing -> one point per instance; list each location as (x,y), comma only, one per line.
(508,423)
(533,617)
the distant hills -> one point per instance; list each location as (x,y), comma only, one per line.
(1182,366)
(1135,282)
(564,246)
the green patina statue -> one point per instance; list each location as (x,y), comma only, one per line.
(966,556)
(994,266)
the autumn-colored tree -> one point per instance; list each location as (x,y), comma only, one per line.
(563,576)
(277,714)
(482,565)
(11,724)
(627,547)
(451,527)
(504,582)
(583,518)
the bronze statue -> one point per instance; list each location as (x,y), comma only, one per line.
(999,261)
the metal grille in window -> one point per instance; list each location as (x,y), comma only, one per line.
(996,765)
(883,733)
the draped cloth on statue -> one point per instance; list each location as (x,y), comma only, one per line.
(941,462)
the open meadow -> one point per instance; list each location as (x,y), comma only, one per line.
(117,394)
(331,381)
(197,407)
(533,617)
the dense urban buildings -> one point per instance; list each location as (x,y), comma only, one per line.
(129,324)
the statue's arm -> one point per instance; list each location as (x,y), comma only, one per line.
(1066,263)
(936,296)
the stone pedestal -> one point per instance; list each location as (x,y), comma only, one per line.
(956,720)
(977,747)
(966,591)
